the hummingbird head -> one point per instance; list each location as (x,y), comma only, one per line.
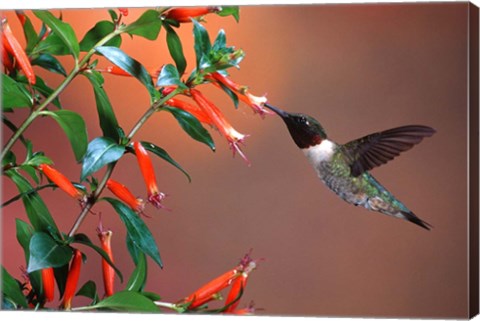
(305,130)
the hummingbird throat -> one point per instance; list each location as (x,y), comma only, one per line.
(320,152)
(306,139)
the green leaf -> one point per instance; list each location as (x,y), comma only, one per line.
(49,63)
(36,209)
(220,42)
(191,126)
(106,115)
(31,171)
(233,96)
(147,26)
(45,252)
(37,159)
(152,296)
(74,127)
(100,152)
(230,11)
(202,42)
(43,32)
(46,91)
(220,56)
(133,249)
(42,88)
(175,48)
(10,159)
(36,281)
(29,32)
(160,152)
(137,230)
(11,289)
(83,239)
(137,280)
(228,58)
(14,95)
(61,29)
(126,301)
(29,146)
(169,76)
(131,66)
(53,45)
(89,290)
(98,32)
(113,15)
(61,274)
(24,233)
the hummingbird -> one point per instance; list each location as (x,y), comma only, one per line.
(344,169)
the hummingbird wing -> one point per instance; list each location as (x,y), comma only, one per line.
(376,149)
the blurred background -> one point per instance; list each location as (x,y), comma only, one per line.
(358,69)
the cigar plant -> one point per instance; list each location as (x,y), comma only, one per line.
(55,258)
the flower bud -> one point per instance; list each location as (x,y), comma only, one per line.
(72,280)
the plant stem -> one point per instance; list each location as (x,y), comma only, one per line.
(167,305)
(101,186)
(13,128)
(34,190)
(35,113)
(92,200)
(150,111)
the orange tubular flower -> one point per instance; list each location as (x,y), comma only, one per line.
(48,280)
(146,167)
(60,179)
(21,17)
(12,45)
(105,237)
(6,60)
(72,280)
(255,102)
(216,116)
(247,265)
(123,11)
(123,193)
(115,70)
(184,14)
(194,110)
(208,292)
(237,286)
(168,90)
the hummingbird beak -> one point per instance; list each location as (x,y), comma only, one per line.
(278,111)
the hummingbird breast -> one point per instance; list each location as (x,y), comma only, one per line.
(331,166)
(337,178)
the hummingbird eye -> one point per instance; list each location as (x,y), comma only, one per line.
(304,120)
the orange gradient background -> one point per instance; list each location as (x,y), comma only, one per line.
(358,69)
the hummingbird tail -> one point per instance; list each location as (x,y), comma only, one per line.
(409,216)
